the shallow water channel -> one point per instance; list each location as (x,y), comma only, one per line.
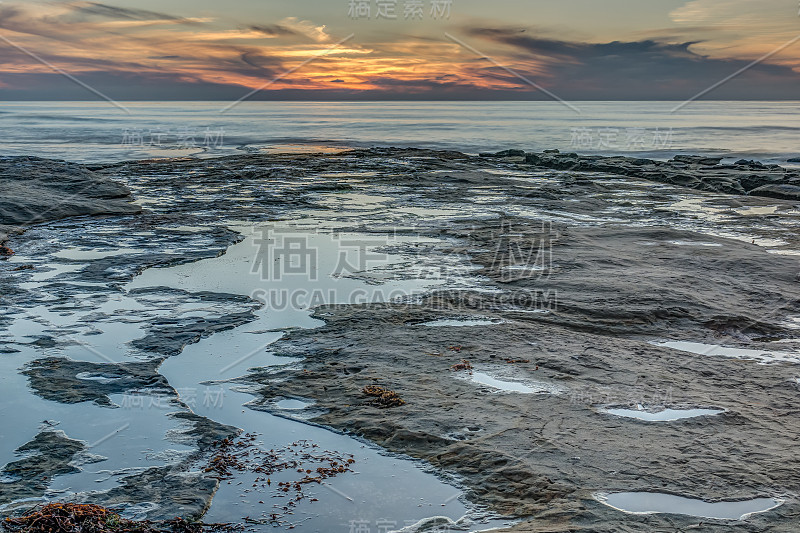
(384,488)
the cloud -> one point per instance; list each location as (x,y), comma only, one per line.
(646,69)
(305,27)
(138,54)
(584,51)
(273,30)
(113,12)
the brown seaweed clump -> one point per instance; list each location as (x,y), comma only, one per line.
(463,365)
(88,518)
(383,398)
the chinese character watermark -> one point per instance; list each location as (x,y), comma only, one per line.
(212,398)
(183,138)
(621,138)
(414,10)
(635,395)
(285,251)
(524,257)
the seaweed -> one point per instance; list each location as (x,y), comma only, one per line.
(463,365)
(382,398)
(89,518)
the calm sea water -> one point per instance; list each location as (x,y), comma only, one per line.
(98,131)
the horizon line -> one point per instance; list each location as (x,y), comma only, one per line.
(436,100)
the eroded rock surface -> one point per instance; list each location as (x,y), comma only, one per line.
(626,262)
(38,190)
(696,172)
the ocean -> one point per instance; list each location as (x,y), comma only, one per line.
(92,132)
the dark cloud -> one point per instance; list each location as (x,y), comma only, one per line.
(274,30)
(638,70)
(9,13)
(117,13)
(585,51)
(259,63)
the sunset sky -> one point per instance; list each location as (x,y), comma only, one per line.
(222,50)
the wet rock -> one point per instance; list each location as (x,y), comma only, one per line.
(178,492)
(697,160)
(724,184)
(44,342)
(205,432)
(696,172)
(51,454)
(59,379)
(435,523)
(504,153)
(784,192)
(39,190)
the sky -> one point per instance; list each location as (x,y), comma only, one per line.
(400,49)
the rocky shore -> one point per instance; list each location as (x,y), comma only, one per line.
(696,172)
(36,190)
(588,288)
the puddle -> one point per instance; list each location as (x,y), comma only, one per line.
(792,322)
(329,268)
(432,212)
(762,356)
(681,243)
(757,210)
(528,268)
(293,404)
(527,387)
(354,201)
(53,270)
(698,208)
(784,252)
(656,502)
(187,229)
(460,322)
(100,378)
(82,254)
(696,243)
(665,415)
